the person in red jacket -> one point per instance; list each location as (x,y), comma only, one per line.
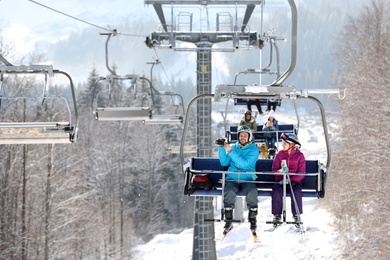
(296,163)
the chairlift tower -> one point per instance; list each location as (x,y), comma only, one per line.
(180,28)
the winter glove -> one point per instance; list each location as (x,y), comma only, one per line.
(282,182)
(285,169)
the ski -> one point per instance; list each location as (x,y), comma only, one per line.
(296,229)
(271,229)
(279,223)
(300,230)
(275,226)
(225,232)
(255,237)
(220,238)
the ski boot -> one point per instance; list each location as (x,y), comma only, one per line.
(252,219)
(228,220)
(297,223)
(277,220)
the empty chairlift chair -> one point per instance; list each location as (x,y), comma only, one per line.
(119,104)
(25,118)
(169,111)
(127,104)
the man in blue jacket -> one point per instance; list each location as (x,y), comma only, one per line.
(240,157)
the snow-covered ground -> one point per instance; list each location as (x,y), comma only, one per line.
(318,242)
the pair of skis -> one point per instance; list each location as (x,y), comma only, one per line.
(253,232)
(226,232)
(299,228)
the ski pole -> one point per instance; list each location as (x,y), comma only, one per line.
(222,197)
(295,205)
(284,165)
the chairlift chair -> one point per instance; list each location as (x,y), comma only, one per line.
(172,110)
(124,105)
(37,132)
(110,105)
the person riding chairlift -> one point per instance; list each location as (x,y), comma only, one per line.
(295,163)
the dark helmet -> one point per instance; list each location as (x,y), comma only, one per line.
(291,138)
(248,112)
(245,128)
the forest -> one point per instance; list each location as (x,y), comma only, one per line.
(119,185)
(358,188)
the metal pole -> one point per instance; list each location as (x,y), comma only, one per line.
(203,239)
(295,205)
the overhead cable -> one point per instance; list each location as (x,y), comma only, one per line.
(162,66)
(80,20)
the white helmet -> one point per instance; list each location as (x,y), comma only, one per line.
(246,129)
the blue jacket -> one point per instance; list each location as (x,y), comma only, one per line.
(268,130)
(240,159)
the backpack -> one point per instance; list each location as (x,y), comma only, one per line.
(201,182)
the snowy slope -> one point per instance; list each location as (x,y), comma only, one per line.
(318,242)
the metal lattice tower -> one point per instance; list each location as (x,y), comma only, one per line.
(203,238)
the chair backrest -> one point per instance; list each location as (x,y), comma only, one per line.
(210,164)
(265,179)
(287,128)
(259,136)
(243,101)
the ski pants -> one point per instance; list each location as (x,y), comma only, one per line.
(254,102)
(270,141)
(272,105)
(230,193)
(277,199)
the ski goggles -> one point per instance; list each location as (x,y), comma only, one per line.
(243,128)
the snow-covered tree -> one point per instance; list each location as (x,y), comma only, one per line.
(358,185)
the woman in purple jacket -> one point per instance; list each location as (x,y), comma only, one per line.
(296,163)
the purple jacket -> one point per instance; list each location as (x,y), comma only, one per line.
(296,163)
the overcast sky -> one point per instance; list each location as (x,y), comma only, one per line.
(27,22)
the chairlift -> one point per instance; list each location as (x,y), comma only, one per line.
(136,106)
(181,27)
(120,105)
(37,132)
(172,109)
(131,105)
(266,70)
(315,178)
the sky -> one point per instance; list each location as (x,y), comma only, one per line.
(28,27)
(27,22)
(320,241)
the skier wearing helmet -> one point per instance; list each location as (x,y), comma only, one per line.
(296,163)
(249,120)
(240,157)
